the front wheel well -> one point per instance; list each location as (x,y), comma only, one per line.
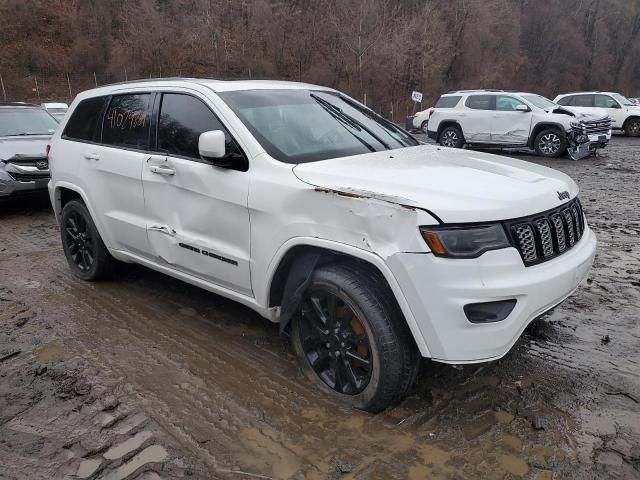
(628,119)
(543,126)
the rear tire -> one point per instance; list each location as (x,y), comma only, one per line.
(86,254)
(632,129)
(451,137)
(550,143)
(351,340)
(423,126)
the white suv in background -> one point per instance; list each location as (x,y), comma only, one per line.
(368,248)
(497,118)
(624,114)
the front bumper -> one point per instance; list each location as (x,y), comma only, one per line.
(437,289)
(9,186)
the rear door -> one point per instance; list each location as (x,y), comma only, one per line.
(106,139)
(475,119)
(197,214)
(508,125)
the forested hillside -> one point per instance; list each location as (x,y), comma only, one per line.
(381,48)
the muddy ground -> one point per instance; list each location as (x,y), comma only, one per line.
(146,377)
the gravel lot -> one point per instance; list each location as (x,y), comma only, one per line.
(146,377)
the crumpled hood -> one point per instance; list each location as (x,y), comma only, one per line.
(456,185)
(30,146)
(583,113)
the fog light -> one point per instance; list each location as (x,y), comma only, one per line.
(489,312)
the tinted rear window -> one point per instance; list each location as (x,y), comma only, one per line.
(448,102)
(126,122)
(84,120)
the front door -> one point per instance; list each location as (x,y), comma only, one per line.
(508,125)
(615,111)
(197,215)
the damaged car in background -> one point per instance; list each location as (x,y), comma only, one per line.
(368,248)
(502,119)
(25,131)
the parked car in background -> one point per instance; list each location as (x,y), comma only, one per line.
(624,114)
(367,247)
(497,118)
(635,101)
(420,119)
(25,131)
(57,110)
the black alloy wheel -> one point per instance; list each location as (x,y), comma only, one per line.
(81,245)
(335,342)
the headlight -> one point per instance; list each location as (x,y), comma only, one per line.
(466,241)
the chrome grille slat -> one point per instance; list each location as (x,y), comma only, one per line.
(544,236)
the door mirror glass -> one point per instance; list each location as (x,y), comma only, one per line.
(211,144)
(522,108)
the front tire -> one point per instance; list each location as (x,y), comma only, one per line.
(632,129)
(351,340)
(451,137)
(86,254)
(550,143)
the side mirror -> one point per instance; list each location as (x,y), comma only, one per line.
(522,108)
(212,147)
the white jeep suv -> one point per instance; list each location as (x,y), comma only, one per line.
(368,248)
(624,114)
(497,118)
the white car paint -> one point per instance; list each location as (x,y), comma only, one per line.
(510,127)
(421,118)
(619,111)
(367,206)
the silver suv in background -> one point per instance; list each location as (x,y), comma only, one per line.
(25,131)
(498,118)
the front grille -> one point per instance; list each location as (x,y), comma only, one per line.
(546,235)
(29,177)
(596,127)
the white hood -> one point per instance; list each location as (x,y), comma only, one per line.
(456,185)
(584,113)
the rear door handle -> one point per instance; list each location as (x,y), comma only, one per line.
(162,170)
(91,156)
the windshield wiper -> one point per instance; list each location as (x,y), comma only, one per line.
(331,108)
(380,120)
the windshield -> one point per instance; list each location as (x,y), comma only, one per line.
(26,121)
(623,100)
(298,126)
(539,101)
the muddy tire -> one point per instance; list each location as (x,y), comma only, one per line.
(632,128)
(451,137)
(86,254)
(351,340)
(550,143)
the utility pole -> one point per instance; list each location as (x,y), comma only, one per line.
(69,83)
(4,92)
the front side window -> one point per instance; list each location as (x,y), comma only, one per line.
(126,121)
(299,125)
(22,121)
(85,120)
(182,119)
(605,101)
(583,101)
(449,101)
(481,102)
(505,103)
(566,101)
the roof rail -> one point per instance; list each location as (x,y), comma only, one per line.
(478,90)
(155,79)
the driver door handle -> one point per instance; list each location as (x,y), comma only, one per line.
(91,156)
(162,170)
